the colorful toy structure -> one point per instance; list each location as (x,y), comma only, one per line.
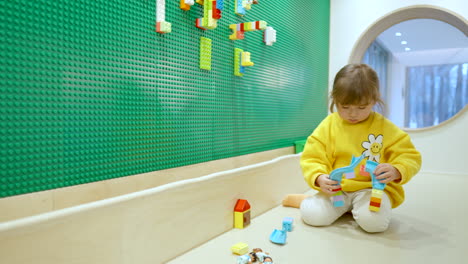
(377,187)
(241,60)
(242,5)
(337,175)
(211,12)
(238,30)
(241,214)
(162,26)
(365,170)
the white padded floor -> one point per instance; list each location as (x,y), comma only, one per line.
(430,227)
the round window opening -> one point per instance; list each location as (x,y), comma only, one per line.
(422,66)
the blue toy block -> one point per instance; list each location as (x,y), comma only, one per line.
(220,4)
(370,168)
(240,10)
(278,237)
(337,175)
(338,203)
(287,223)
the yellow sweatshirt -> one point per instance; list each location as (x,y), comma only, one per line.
(335,141)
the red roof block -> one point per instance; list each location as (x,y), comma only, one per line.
(242,206)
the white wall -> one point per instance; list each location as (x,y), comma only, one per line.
(443,148)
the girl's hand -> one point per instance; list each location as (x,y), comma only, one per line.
(386,173)
(326,185)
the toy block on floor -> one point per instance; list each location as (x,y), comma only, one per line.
(241,214)
(240,248)
(288,223)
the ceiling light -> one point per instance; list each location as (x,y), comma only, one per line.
(398,34)
(403,42)
(407,49)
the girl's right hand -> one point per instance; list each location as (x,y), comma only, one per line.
(326,185)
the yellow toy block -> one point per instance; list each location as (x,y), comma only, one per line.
(240,249)
(246,4)
(262,25)
(246,59)
(163,27)
(241,213)
(374,208)
(249,26)
(241,219)
(377,193)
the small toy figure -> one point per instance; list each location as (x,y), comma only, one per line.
(262,257)
(244,259)
(268,260)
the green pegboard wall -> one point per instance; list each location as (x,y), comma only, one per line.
(89,90)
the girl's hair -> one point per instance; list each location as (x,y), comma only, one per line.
(355,84)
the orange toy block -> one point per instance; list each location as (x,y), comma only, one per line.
(184,6)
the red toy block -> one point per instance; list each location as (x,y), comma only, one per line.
(363,172)
(216,12)
(240,34)
(198,23)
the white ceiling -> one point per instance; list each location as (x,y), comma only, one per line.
(422,34)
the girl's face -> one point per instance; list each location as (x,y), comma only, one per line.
(354,114)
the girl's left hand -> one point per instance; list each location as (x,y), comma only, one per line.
(386,173)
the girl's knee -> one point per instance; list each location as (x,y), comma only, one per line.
(316,214)
(316,219)
(373,223)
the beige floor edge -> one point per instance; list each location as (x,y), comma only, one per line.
(430,227)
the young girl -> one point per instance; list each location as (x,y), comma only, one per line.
(354,131)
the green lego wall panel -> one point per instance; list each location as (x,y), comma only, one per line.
(90,91)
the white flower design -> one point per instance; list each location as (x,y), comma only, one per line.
(373,147)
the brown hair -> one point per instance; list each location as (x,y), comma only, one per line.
(355,84)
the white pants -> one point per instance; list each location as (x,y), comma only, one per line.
(318,210)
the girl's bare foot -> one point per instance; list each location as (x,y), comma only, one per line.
(294,200)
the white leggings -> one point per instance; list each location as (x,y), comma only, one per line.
(318,210)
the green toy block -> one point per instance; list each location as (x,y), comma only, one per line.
(237,61)
(299,145)
(205,53)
